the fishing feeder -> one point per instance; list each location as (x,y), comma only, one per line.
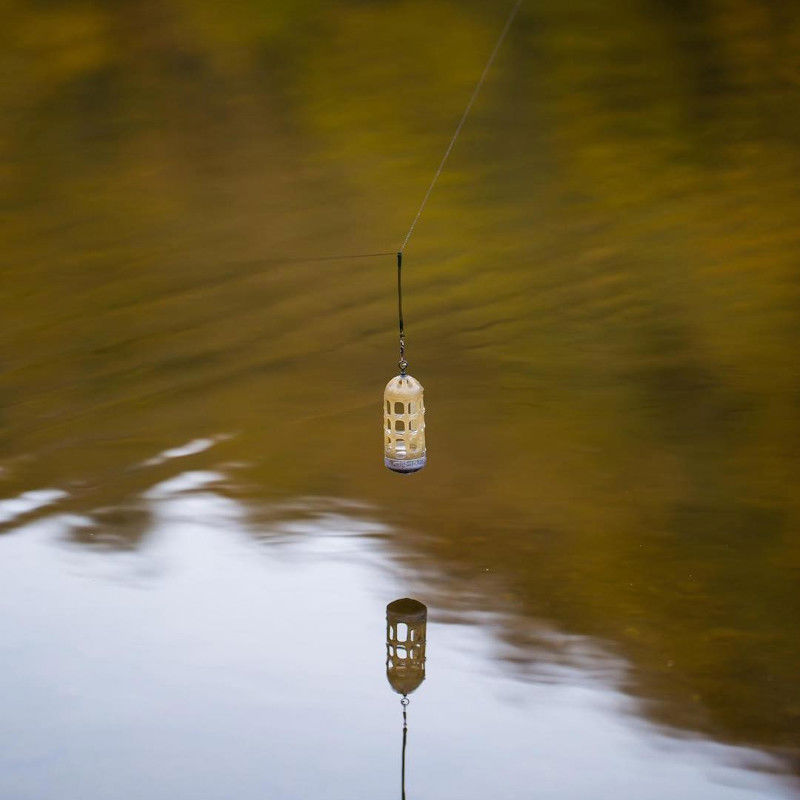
(406,621)
(404,425)
(403,408)
(404,413)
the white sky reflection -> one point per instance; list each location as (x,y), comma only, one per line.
(206,664)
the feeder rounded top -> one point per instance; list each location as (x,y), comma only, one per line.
(405,683)
(407,608)
(402,385)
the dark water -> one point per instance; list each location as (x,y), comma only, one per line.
(199,537)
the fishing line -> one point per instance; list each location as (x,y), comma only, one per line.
(470,103)
(481,80)
(478,86)
(404,702)
(475,91)
(311,259)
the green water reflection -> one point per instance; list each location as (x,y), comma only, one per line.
(602,299)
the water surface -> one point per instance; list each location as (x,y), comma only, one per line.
(199,537)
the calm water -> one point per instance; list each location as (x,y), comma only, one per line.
(198,538)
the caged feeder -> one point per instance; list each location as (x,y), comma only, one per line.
(404,425)
(406,621)
(403,408)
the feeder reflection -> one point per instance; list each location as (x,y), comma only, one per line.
(406,623)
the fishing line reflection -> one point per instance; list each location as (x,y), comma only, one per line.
(406,624)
